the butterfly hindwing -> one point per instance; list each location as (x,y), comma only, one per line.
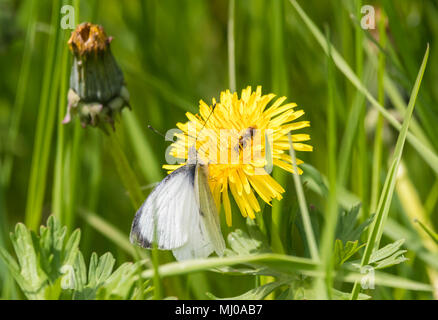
(207,210)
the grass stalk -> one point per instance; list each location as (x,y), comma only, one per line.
(231,46)
(432,199)
(58,182)
(20,95)
(427,154)
(377,153)
(72,174)
(362,164)
(279,85)
(328,233)
(44,127)
(311,241)
(376,230)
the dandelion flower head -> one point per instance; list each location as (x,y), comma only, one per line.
(237,137)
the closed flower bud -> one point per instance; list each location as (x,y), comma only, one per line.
(97,88)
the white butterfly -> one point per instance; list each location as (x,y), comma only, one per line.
(180,215)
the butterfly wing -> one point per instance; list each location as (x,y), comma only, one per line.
(166,217)
(198,244)
(208,211)
(205,236)
(182,211)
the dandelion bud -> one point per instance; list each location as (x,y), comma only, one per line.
(97,91)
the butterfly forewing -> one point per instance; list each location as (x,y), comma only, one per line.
(168,210)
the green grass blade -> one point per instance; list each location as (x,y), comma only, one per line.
(389,280)
(21,91)
(279,86)
(58,181)
(328,233)
(303,205)
(377,152)
(231,47)
(379,278)
(44,127)
(376,230)
(283,263)
(429,231)
(429,156)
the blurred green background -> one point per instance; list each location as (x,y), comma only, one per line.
(174,53)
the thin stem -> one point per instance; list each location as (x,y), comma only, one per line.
(231,48)
(329,230)
(303,205)
(20,96)
(44,127)
(280,86)
(377,154)
(58,180)
(362,142)
(73,173)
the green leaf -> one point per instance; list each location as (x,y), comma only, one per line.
(122,284)
(346,228)
(50,266)
(258,293)
(388,256)
(343,253)
(100,269)
(388,188)
(310,294)
(339,295)
(386,251)
(242,244)
(389,280)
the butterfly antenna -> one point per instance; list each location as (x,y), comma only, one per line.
(206,120)
(203,126)
(156,131)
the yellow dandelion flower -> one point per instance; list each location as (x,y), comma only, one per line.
(233,136)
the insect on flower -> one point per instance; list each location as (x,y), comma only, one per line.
(242,134)
(226,148)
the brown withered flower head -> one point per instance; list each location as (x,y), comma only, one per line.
(97,88)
